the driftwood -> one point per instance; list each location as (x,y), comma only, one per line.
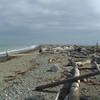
(75,87)
(57,96)
(97,66)
(70,80)
(82,63)
(9,78)
(86,68)
(61,95)
(70,91)
(67,88)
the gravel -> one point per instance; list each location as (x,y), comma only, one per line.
(36,68)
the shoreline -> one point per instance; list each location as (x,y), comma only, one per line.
(4,56)
(8,48)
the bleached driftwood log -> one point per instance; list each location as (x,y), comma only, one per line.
(57,96)
(70,91)
(82,63)
(75,87)
(97,66)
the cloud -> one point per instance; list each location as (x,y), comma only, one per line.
(49,16)
(95,5)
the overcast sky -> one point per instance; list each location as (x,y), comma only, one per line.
(62,21)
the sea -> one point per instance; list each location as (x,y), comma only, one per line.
(10,41)
(20,40)
(6,46)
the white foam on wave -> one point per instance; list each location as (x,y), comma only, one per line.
(17,51)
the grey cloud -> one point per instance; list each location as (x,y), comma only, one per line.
(48,16)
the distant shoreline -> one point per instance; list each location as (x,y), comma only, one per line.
(8,48)
(19,50)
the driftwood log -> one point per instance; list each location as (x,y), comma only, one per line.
(57,97)
(82,63)
(97,66)
(70,91)
(70,80)
(63,92)
(74,93)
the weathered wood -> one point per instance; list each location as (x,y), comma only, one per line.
(70,80)
(74,92)
(82,63)
(97,66)
(86,68)
(75,88)
(57,96)
(64,91)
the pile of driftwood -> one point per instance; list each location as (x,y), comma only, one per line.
(71,86)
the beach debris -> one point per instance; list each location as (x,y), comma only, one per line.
(78,49)
(51,59)
(69,48)
(74,93)
(70,62)
(71,91)
(55,68)
(85,80)
(57,49)
(82,63)
(92,82)
(57,96)
(79,55)
(9,78)
(97,66)
(61,95)
(20,72)
(97,59)
(40,49)
(70,80)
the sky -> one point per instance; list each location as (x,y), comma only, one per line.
(50,21)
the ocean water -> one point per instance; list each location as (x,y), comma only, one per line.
(16,40)
(14,44)
(9,41)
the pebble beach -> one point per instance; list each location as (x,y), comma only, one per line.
(20,75)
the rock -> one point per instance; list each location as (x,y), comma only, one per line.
(54,68)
